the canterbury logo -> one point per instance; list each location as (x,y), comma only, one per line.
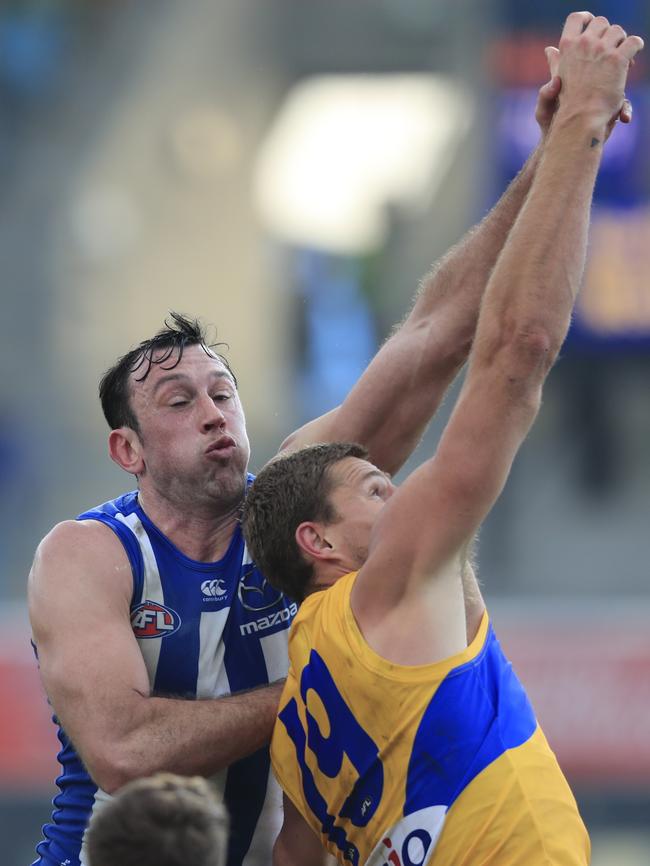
(213,588)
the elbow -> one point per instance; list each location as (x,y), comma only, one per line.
(531,351)
(114,767)
(454,351)
(534,339)
(440,347)
(518,361)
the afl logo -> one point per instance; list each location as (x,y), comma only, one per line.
(151,619)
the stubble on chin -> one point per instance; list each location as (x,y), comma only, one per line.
(227,488)
(208,492)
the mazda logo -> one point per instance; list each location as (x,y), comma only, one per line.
(256,593)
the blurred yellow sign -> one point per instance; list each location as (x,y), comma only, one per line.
(615,299)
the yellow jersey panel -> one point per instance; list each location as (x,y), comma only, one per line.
(426,765)
(487,825)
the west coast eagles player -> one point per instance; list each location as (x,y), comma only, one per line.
(403,735)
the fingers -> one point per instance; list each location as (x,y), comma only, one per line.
(625,115)
(598,26)
(614,36)
(575,24)
(631,46)
(553,59)
(551,90)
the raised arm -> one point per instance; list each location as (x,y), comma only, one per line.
(523,321)
(95,677)
(389,408)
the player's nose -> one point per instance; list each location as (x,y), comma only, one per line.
(211,414)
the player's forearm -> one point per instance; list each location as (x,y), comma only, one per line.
(454,288)
(391,405)
(433,344)
(537,277)
(186,736)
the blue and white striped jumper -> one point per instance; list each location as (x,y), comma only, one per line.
(205,630)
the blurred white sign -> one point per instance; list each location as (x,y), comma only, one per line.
(344,147)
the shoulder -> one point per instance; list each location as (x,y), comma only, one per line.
(80,539)
(80,554)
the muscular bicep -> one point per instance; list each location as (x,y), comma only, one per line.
(92,670)
(390,406)
(322,429)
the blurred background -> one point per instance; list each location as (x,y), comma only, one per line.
(288,170)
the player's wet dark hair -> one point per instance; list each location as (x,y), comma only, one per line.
(165,349)
(293,488)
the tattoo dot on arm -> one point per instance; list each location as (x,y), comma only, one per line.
(594,142)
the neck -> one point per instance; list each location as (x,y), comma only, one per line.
(326,576)
(201,535)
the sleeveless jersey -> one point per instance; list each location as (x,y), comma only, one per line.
(441,764)
(204,630)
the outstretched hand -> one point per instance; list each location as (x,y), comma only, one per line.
(548,98)
(593,61)
(547,102)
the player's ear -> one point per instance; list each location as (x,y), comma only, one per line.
(311,540)
(125,448)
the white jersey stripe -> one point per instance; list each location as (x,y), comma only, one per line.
(211,655)
(151,590)
(274,647)
(268,825)
(100,800)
